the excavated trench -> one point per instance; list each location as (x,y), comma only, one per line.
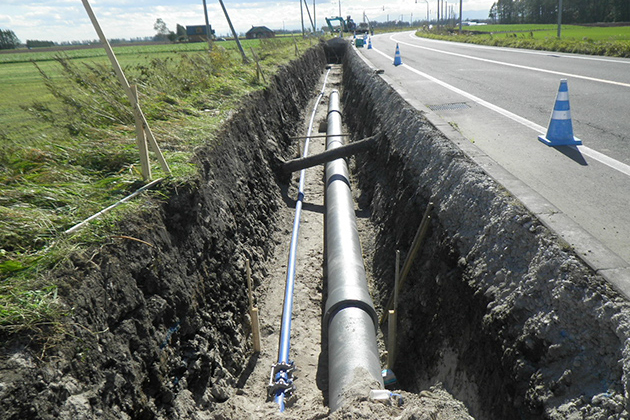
(496,308)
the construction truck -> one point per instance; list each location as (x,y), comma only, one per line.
(347,25)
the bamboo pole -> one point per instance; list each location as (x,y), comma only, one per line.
(126,87)
(141,139)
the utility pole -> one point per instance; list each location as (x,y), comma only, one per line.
(208,34)
(438,15)
(314,16)
(559,18)
(460,17)
(309,16)
(302,18)
(240,47)
(445,12)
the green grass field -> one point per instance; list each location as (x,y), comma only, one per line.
(575,32)
(610,41)
(67,145)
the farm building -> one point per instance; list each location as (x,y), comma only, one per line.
(259,32)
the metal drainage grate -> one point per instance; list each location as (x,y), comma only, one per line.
(449,107)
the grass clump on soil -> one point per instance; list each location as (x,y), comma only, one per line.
(67,146)
(605,41)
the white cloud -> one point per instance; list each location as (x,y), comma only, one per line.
(66,20)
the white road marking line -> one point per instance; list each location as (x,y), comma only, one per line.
(503,63)
(593,154)
(525,51)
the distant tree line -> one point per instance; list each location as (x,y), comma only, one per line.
(33,43)
(8,40)
(573,11)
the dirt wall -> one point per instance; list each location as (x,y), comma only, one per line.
(155,328)
(496,308)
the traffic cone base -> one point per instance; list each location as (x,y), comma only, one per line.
(572,142)
(560,131)
(397,58)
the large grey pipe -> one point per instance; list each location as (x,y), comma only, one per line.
(350,317)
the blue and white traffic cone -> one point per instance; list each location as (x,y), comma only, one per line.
(369,43)
(397,58)
(560,131)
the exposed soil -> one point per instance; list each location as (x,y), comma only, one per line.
(157,331)
(498,318)
(499,310)
(308,346)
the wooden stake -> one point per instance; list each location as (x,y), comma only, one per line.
(396,279)
(415,247)
(141,139)
(391,338)
(250,291)
(259,71)
(255,330)
(126,87)
(253,312)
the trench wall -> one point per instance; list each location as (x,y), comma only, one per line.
(496,307)
(156,331)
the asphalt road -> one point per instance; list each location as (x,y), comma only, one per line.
(501,99)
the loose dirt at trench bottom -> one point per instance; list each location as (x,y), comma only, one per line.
(307,351)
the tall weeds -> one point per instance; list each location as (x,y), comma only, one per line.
(85,156)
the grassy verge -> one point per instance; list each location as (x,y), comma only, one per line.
(67,146)
(609,41)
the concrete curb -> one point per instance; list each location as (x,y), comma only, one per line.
(602,260)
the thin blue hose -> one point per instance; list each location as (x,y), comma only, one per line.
(285,329)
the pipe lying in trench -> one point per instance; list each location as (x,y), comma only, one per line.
(281,385)
(349,317)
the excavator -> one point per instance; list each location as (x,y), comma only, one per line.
(347,25)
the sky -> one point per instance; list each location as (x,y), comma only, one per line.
(67,20)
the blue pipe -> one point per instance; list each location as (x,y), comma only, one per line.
(281,381)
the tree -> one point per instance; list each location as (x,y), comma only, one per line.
(181,33)
(8,40)
(163,33)
(492,15)
(546,11)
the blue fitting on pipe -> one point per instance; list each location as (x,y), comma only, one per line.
(281,387)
